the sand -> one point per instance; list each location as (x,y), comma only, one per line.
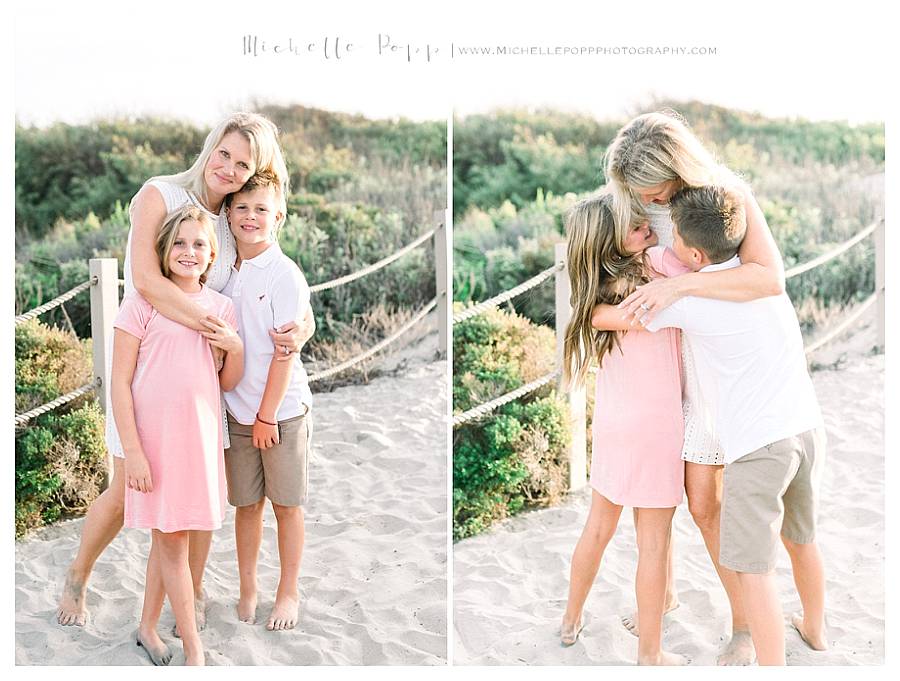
(510,584)
(373,583)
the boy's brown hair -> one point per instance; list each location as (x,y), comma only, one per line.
(711,219)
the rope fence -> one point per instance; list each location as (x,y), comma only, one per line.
(563,312)
(374,267)
(56,302)
(21,419)
(102,325)
(501,298)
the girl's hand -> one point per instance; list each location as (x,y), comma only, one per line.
(291,337)
(646,301)
(264,435)
(218,357)
(221,335)
(137,473)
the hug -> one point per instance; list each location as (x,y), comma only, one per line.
(702,388)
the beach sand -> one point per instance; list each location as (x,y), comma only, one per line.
(510,584)
(373,583)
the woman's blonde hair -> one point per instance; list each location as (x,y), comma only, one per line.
(600,271)
(654,148)
(165,240)
(262,135)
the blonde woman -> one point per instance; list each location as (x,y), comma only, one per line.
(638,384)
(651,158)
(235,149)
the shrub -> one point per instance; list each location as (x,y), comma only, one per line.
(60,455)
(515,457)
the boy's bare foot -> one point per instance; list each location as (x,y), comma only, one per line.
(664,658)
(630,622)
(158,652)
(194,657)
(246,609)
(284,614)
(739,651)
(814,639)
(568,631)
(72,609)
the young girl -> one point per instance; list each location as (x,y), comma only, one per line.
(651,157)
(637,426)
(166,402)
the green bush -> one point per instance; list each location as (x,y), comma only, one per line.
(60,455)
(516,456)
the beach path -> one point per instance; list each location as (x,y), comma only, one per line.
(373,583)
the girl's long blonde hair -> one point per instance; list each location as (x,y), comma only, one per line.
(265,150)
(654,148)
(165,240)
(600,271)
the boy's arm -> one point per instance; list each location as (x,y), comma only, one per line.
(125,352)
(265,428)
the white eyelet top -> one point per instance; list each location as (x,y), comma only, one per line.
(700,442)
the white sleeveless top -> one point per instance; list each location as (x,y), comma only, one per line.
(176,196)
(700,442)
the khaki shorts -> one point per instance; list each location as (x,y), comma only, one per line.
(773,490)
(279,473)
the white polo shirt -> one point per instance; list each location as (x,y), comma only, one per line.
(751,366)
(267,291)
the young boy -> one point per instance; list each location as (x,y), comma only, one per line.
(268,411)
(750,358)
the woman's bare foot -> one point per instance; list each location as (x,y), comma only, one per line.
(194,657)
(156,649)
(664,658)
(284,614)
(739,651)
(72,609)
(569,630)
(246,608)
(630,622)
(815,639)
(199,614)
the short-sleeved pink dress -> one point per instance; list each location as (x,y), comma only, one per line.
(638,428)
(177,410)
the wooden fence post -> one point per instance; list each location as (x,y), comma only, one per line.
(104,305)
(442,277)
(880,254)
(575,396)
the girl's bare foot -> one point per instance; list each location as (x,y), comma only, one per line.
(814,638)
(630,622)
(156,649)
(284,614)
(246,608)
(664,658)
(72,609)
(195,658)
(569,630)
(739,651)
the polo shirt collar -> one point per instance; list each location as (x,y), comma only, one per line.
(266,258)
(726,265)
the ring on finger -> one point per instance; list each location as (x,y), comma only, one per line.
(645,307)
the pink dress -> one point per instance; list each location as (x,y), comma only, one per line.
(638,428)
(177,410)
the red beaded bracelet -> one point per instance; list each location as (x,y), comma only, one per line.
(266,422)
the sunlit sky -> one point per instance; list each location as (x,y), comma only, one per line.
(77,61)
